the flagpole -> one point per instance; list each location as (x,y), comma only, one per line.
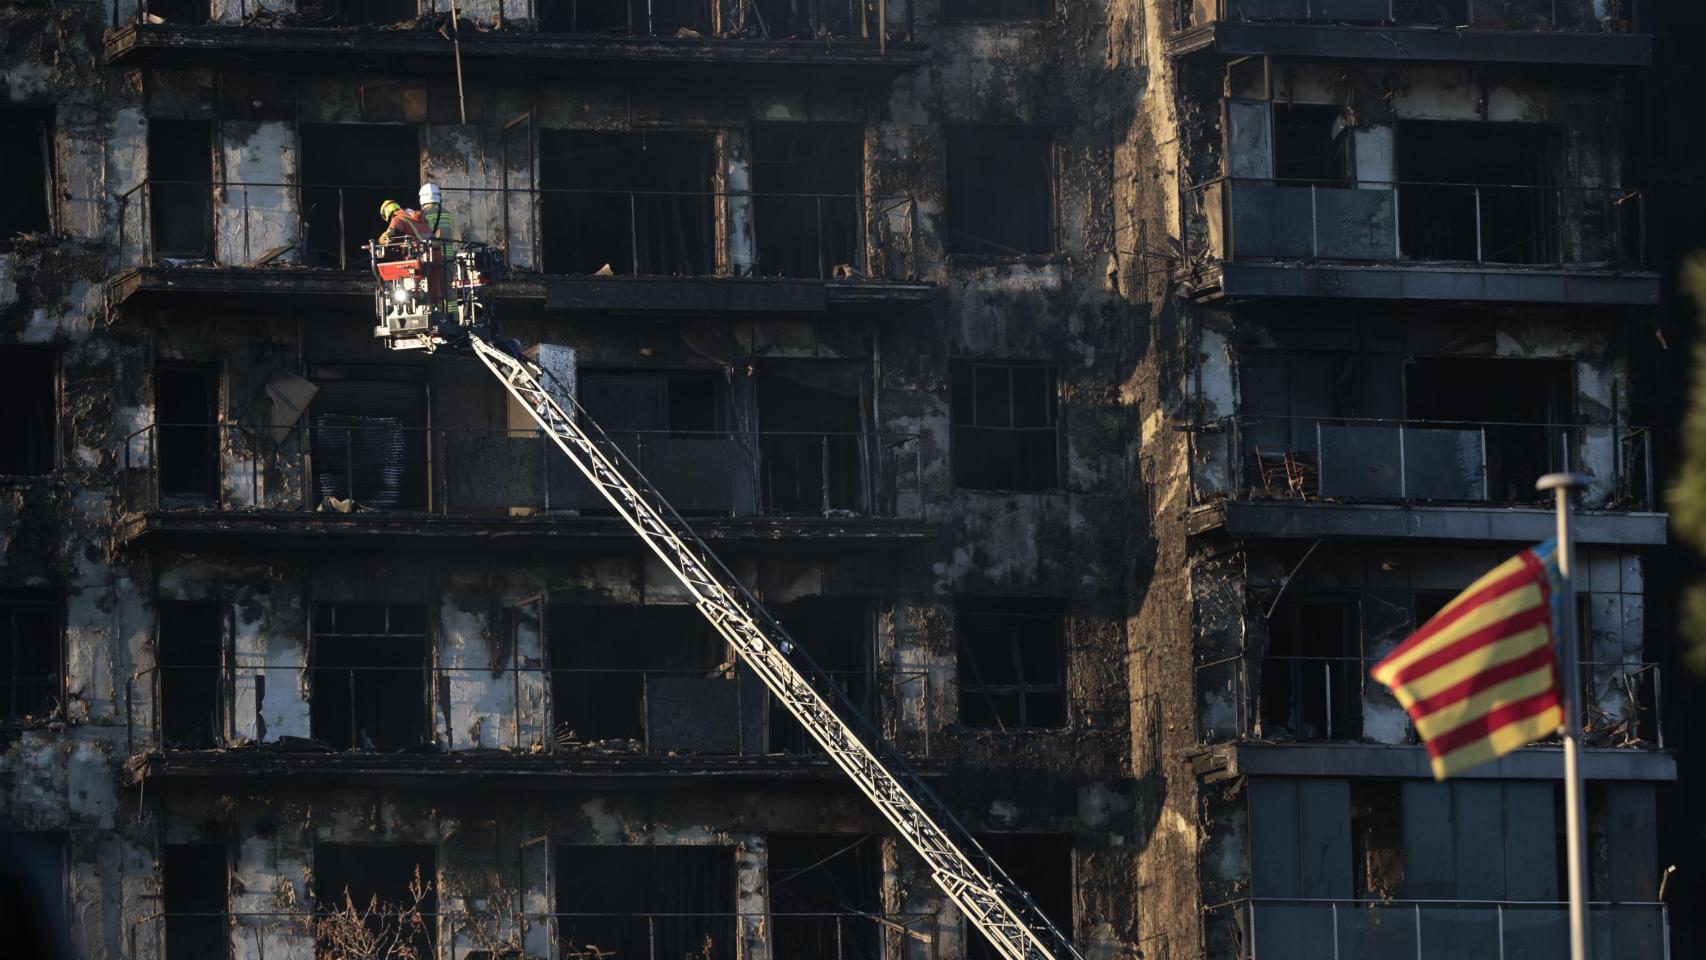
(1564,486)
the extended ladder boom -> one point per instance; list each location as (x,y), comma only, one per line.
(970,878)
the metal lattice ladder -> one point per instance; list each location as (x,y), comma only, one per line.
(976,884)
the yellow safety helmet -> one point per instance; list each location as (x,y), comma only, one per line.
(387,208)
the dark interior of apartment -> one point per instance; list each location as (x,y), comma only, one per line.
(638,202)
(824,890)
(180,188)
(347,171)
(369,664)
(26,154)
(647,901)
(808,213)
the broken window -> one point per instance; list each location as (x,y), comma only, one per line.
(836,632)
(32,655)
(186,410)
(638,203)
(26,154)
(398,880)
(1477,191)
(348,170)
(1377,839)
(660,18)
(1005,435)
(1530,399)
(369,667)
(193,890)
(357,13)
(29,389)
(825,891)
(369,440)
(662,902)
(1012,663)
(813,447)
(808,212)
(1312,671)
(1311,144)
(1000,191)
(180,188)
(999,9)
(33,894)
(191,642)
(647,675)
(1041,865)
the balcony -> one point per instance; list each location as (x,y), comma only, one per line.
(1414,241)
(1484,31)
(695,40)
(1311,477)
(1281,929)
(663,253)
(575,936)
(364,482)
(258,719)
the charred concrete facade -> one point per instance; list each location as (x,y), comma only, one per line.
(1084,385)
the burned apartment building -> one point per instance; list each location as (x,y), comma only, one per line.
(1095,390)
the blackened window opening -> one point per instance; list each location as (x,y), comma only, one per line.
(662,18)
(189,655)
(369,443)
(805,19)
(1377,839)
(186,410)
(640,203)
(33,894)
(1311,145)
(194,888)
(1012,663)
(836,632)
(1530,400)
(646,676)
(29,390)
(1311,677)
(32,655)
(1004,430)
(1479,192)
(816,459)
(26,154)
(369,676)
(179,11)
(385,877)
(1041,865)
(825,896)
(999,9)
(1000,190)
(808,213)
(180,188)
(348,170)
(646,902)
(357,13)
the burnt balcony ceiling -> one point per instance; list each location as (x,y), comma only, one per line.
(1562,32)
(509,52)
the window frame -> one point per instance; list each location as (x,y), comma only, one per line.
(956,369)
(55,460)
(1011,614)
(54,603)
(1053,156)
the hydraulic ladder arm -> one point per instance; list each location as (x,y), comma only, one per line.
(990,900)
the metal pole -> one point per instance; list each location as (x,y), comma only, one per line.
(1564,485)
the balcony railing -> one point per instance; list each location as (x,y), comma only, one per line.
(1372,459)
(1283,929)
(1333,699)
(448,935)
(1578,16)
(336,464)
(565,712)
(553,231)
(1229,219)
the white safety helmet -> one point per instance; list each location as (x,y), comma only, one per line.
(429,193)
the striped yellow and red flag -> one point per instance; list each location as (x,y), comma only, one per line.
(1481,678)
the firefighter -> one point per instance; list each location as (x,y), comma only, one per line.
(401,224)
(439,221)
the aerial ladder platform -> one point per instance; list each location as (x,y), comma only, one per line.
(430,296)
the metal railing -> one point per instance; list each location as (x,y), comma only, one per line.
(1575,16)
(1379,459)
(463,935)
(555,231)
(344,463)
(1370,221)
(567,712)
(1333,699)
(1309,929)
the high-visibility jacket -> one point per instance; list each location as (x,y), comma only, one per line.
(405,225)
(440,223)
